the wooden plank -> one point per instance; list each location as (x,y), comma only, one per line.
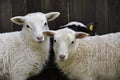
(46,6)
(61,6)
(75,10)
(82,10)
(19,8)
(88,11)
(0,19)
(114,15)
(5,15)
(102,16)
(33,6)
(39,6)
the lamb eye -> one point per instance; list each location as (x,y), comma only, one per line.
(72,42)
(45,24)
(28,26)
(55,41)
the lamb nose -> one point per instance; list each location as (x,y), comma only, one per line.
(62,57)
(40,38)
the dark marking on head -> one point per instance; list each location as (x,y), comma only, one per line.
(79,28)
(76,28)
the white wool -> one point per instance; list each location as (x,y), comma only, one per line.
(90,58)
(21,54)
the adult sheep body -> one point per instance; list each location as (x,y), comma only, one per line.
(24,53)
(90,58)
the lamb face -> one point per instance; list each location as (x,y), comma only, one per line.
(34,24)
(65,42)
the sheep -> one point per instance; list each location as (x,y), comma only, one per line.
(78,26)
(24,53)
(83,57)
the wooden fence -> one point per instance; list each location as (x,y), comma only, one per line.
(105,12)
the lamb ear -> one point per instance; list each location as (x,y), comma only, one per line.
(81,35)
(18,20)
(52,15)
(49,33)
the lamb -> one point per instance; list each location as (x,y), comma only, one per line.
(87,58)
(24,53)
(89,28)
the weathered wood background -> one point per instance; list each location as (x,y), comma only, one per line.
(105,12)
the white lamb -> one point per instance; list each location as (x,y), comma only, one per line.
(90,58)
(24,53)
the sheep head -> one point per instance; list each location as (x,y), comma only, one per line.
(34,24)
(64,42)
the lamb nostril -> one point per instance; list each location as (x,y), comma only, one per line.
(40,38)
(62,57)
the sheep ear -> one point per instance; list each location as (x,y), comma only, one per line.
(80,35)
(52,15)
(49,33)
(18,20)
